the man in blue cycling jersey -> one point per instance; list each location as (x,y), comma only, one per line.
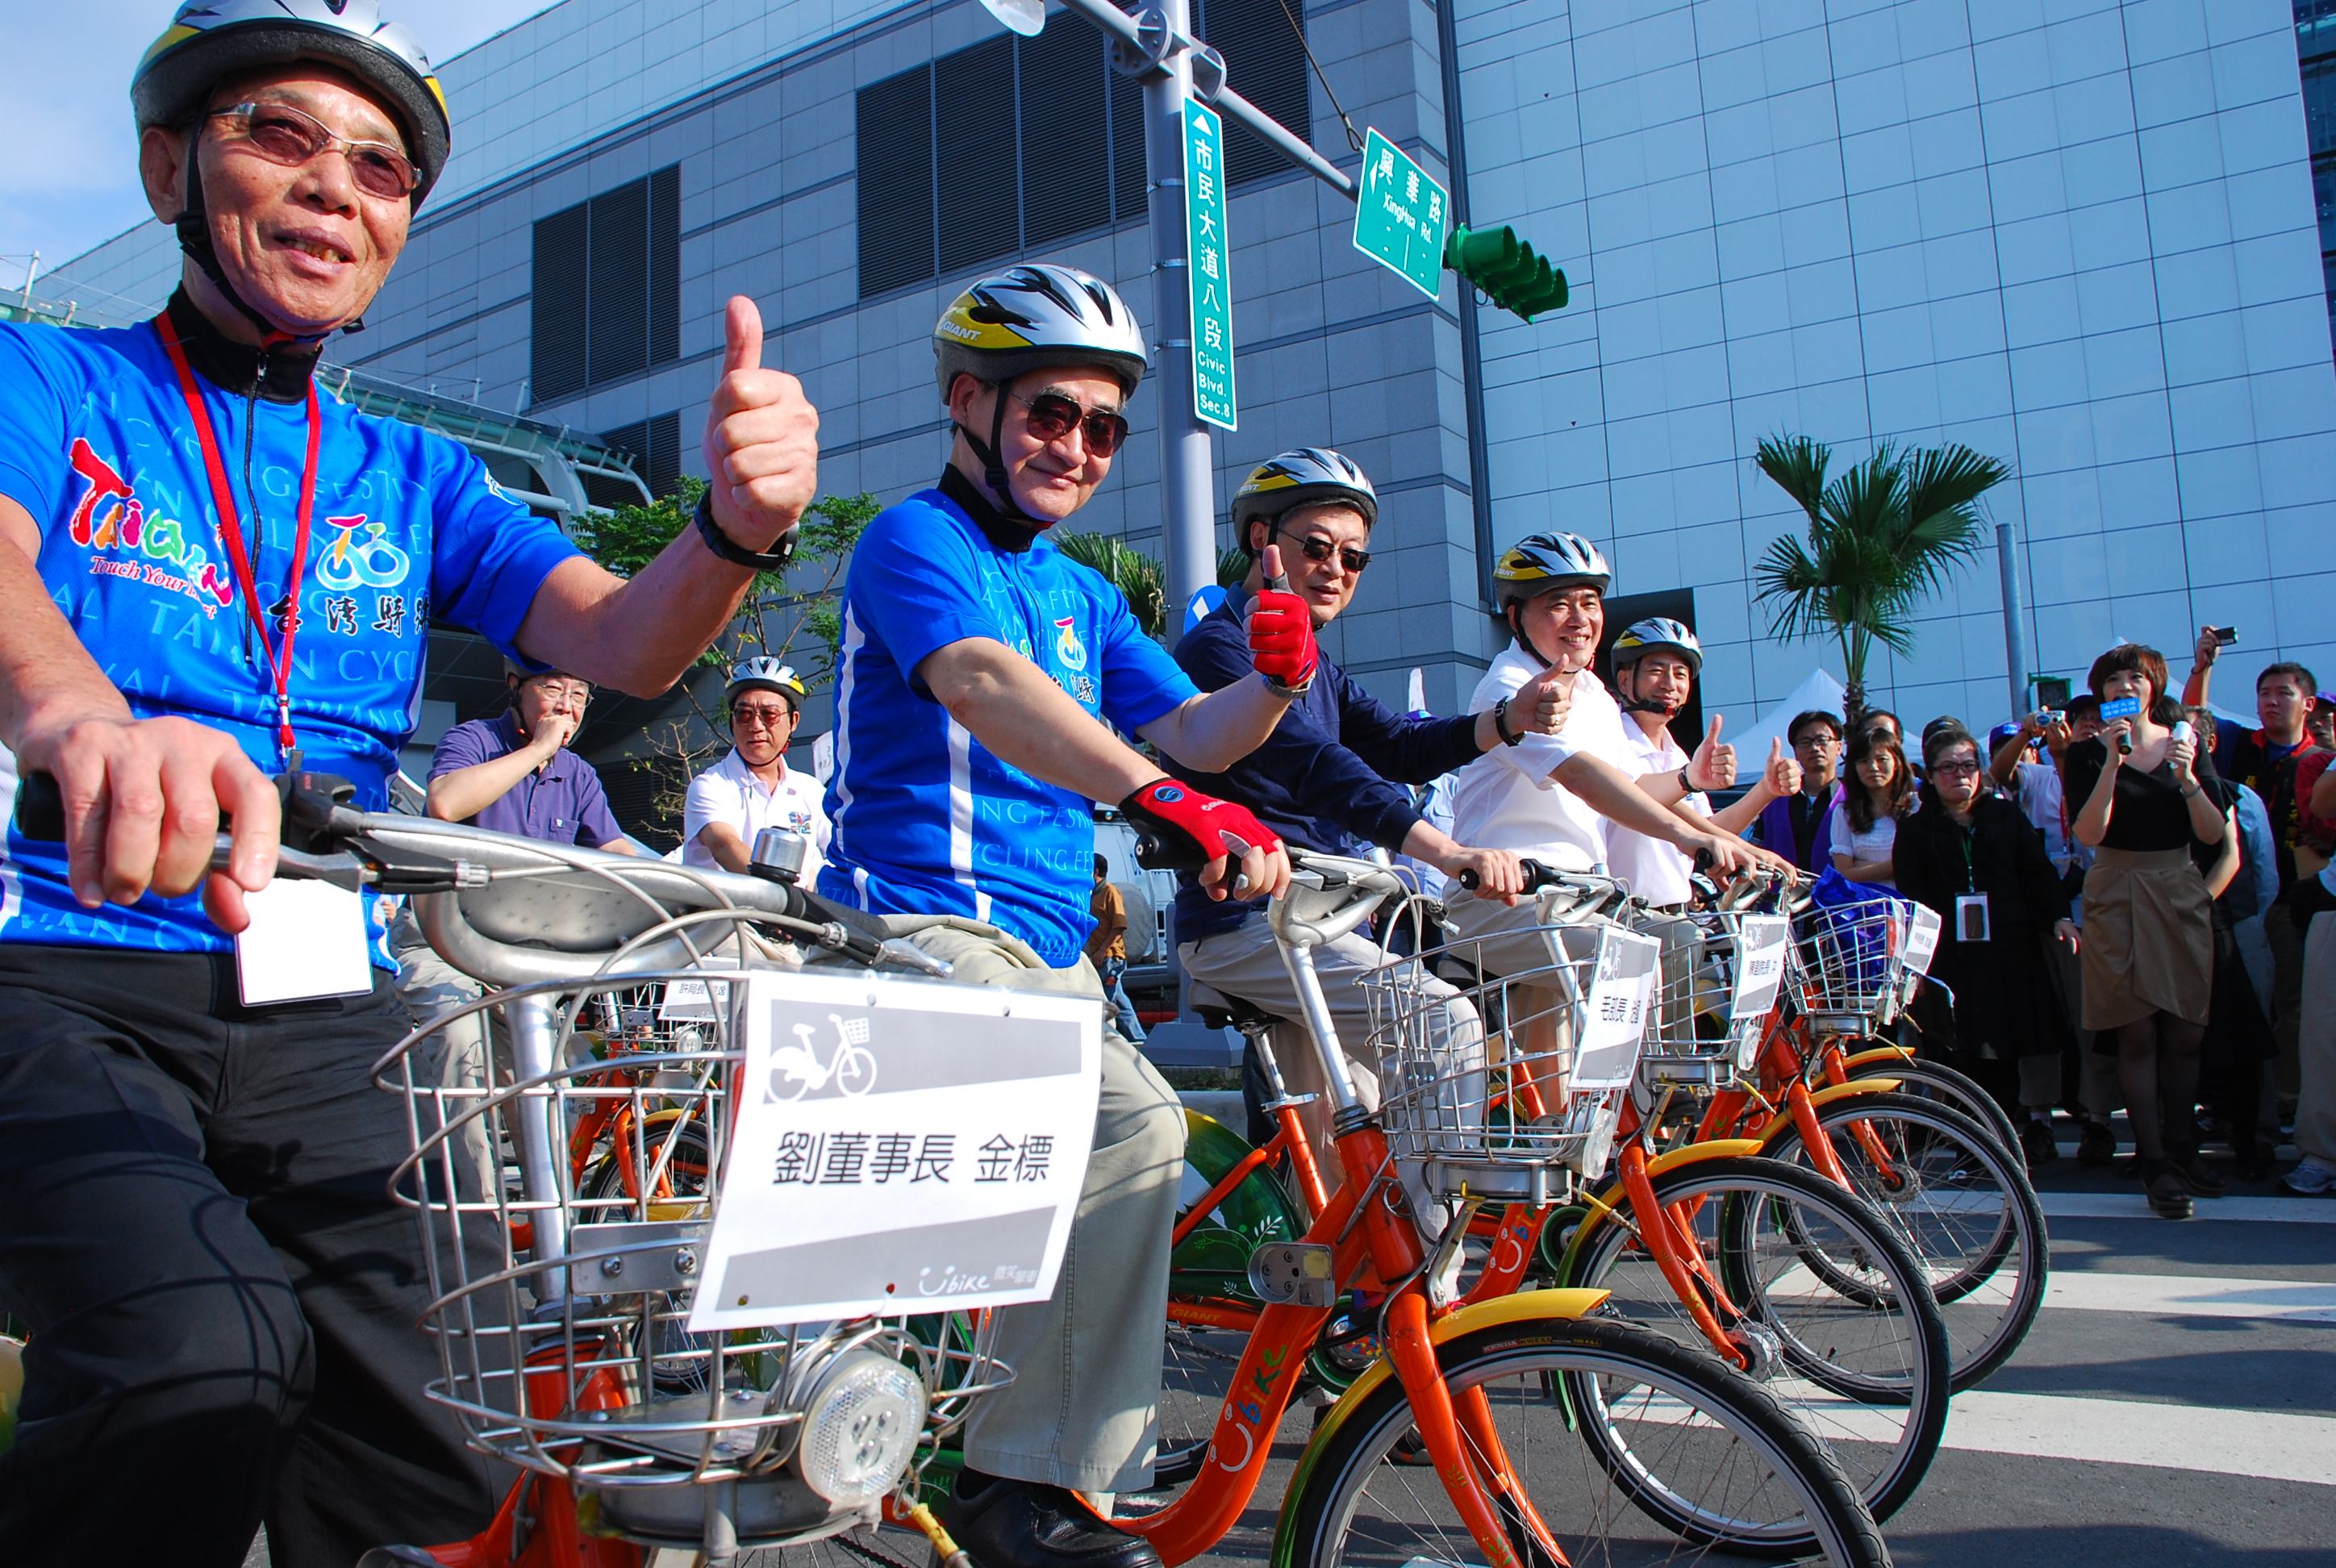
(979,669)
(207,567)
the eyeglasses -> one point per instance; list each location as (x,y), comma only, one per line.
(284,135)
(1319,549)
(1953,769)
(576,695)
(1053,416)
(759,717)
(1815,742)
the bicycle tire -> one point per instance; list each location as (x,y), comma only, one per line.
(1949,1166)
(1955,1090)
(1538,1373)
(1898,1376)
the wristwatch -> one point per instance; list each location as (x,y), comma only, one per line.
(737,554)
(1501,723)
(1685,787)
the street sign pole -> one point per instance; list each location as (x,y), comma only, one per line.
(1187,468)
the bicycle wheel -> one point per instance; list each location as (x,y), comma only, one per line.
(1957,1091)
(1592,1414)
(1961,1203)
(1868,1372)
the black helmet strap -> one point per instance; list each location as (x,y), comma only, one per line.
(993,465)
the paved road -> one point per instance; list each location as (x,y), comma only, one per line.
(2175,1405)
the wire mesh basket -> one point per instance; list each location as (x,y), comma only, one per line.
(564,1217)
(1719,977)
(1855,965)
(1511,1119)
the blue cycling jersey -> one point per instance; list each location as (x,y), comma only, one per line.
(926,820)
(97,444)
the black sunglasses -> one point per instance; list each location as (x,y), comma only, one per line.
(1317,549)
(1053,416)
(284,135)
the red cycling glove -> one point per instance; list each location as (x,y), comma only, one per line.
(1282,640)
(1200,820)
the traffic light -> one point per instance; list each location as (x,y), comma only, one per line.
(1507,269)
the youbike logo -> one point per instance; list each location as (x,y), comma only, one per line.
(109,517)
(1072,652)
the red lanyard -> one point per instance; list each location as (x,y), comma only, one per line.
(279,659)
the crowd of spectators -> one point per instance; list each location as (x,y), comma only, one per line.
(2129,908)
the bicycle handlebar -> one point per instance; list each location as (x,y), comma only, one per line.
(325,839)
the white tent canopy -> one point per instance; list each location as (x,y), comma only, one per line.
(1819,690)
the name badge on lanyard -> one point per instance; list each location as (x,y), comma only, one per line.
(1970,917)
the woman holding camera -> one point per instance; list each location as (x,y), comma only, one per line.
(1973,857)
(2150,932)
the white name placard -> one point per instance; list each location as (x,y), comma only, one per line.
(898,1146)
(1616,1020)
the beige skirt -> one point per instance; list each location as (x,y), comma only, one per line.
(2149,938)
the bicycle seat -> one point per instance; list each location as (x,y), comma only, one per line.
(1220,1011)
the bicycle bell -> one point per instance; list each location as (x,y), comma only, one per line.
(778,856)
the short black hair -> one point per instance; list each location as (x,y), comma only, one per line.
(1810,716)
(1101,865)
(2289,667)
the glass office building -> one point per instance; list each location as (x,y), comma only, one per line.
(2078,237)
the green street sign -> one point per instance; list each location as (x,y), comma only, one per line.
(1207,258)
(1401,216)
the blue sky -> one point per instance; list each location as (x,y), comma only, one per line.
(70,178)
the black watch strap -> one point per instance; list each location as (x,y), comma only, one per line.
(1501,723)
(737,554)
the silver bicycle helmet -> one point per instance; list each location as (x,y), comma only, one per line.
(1542,561)
(208,40)
(1030,318)
(764,673)
(1657,631)
(1308,474)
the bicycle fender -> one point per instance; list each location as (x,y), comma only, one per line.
(1611,1199)
(1878,1053)
(1523,1306)
(1823,1097)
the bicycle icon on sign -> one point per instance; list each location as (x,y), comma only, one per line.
(796,1071)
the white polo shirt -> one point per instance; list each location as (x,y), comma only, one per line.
(729,793)
(1506,800)
(1657,872)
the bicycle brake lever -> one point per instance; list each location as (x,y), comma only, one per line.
(340,868)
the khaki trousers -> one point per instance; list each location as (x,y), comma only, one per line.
(1082,1411)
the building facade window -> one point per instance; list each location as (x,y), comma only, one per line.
(606,287)
(655,446)
(2315,50)
(992,150)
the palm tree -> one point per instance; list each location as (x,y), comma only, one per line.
(1882,537)
(1136,575)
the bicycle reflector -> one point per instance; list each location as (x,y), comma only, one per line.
(1507,269)
(859,1428)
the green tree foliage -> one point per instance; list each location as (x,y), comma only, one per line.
(1136,575)
(1232,567)
(794,616)
(1882,537)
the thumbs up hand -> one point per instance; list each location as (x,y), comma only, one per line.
(762,439)
(1783,776)
(1543,705)
(1713,766)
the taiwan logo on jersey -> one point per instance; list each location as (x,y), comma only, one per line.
(1069,651)
(111,521)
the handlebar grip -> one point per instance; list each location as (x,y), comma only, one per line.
(1158,853)
(40,808)
(1537,876)
(1703,860)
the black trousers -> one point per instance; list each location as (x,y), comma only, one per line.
(195,1223)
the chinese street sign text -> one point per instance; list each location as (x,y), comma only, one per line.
(1206,264)
(1401,216)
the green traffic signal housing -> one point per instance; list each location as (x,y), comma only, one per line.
(1507,269)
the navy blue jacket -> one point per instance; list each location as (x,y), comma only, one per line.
(1321,780)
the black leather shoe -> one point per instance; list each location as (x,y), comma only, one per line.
(1004,1523)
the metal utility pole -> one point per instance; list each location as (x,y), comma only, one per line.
(1187,459)
(2015,636)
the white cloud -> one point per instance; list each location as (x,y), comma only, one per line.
(70,179)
